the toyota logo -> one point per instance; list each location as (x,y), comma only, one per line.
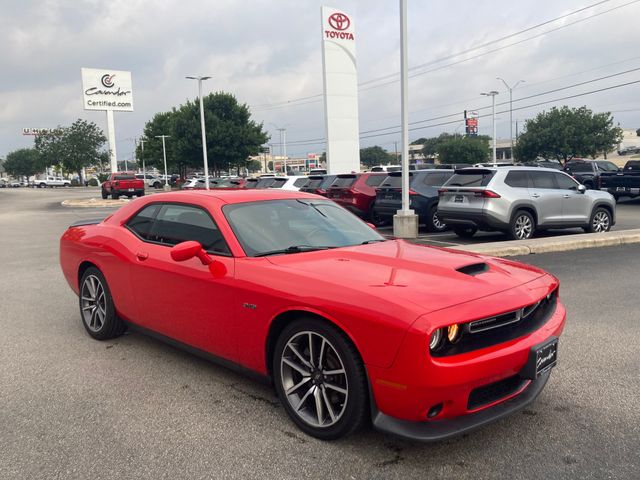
(107,80)
(339,21)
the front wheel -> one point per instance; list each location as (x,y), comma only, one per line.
(375,218)
(320,379)
(522,226)
(105,195)
(115,195)
(600,221)
(96,307)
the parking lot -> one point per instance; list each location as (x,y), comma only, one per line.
(137,408)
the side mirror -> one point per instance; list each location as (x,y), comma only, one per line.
(187,250)
(582,188)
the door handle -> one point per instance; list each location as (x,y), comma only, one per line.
(566,196)
(535,195)
(142,255)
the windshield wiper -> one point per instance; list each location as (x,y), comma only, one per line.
(293,249)
(309,204)
(367,242)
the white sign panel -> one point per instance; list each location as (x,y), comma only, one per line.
(107,90)
(340,91)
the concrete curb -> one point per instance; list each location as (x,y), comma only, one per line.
(95,202)
(555,244)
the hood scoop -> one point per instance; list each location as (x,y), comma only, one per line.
(474,269)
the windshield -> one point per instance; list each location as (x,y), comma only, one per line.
(293,226)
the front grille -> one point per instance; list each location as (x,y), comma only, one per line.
(501,328)
(493,392)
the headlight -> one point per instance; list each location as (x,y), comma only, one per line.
(453,333)
(436,338)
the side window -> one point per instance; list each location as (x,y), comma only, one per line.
(517,179)
(178,223)
(543,179)
(141,223)
(300,182)
(374,180)
(565,182)
(436,179)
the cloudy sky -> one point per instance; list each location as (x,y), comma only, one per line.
(267,53)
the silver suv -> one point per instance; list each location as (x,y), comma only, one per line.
(521,200)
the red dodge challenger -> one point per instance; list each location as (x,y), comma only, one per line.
(425,342)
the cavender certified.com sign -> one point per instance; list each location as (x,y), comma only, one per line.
(107,90)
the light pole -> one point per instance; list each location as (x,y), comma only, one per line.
(493,94)
(283,145)
(511,89)
(164,154)
(144,170)
(204,136)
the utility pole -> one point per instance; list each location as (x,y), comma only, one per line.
(144,170)
(493,94)
(511,89)
(164,154)
(204,136)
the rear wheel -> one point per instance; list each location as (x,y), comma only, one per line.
(320,379)
(105,195)
(434,222)
(465,232)
(96,307)
(375,218)
(522,226)
(600,221)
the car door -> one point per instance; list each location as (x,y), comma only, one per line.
(575,205)
(546,197)
(184,300)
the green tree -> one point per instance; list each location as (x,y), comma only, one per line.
(371,156)
(73,148)
(231,135)
(564,133)
(254,165)
(460,149)
(22,163)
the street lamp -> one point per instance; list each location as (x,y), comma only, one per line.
(164,154)
(283,144)
(144,170)
(204,136)
(511,89)
(493,94)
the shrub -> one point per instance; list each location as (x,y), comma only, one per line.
(75,182)
(93,182)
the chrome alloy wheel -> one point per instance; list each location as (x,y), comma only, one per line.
(600,222)
(437,223)
(314,379)
(93,303)
(523,227)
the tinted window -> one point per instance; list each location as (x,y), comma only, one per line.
(517,179)
(436,179)
(377,169)
(632,165)
(265,182)
(579,167)
(374,180)
(179,223)
(394,181)
(278,182)
(251,183)
(300,182)
(472,178)
(607,166)
(394,169)
(328,181)
(543,179)
(313,183)
(344,181)
(565,182)
(124,177)
(142,221)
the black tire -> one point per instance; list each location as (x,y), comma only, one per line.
(140,193)
(374,218)
(522,226)
(465,232)
(348,412)
(42,185)
(115,195)
(600,221)
(434,224)
(101,321)
(105,195)
(157,185)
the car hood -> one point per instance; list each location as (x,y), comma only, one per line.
(430,278)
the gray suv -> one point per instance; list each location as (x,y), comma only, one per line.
(521,200)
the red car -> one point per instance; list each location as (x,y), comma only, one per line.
(427,342)
(356,191)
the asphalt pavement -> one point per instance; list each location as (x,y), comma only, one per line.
(75,408)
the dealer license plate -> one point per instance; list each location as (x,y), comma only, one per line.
(131,189)
(546,357)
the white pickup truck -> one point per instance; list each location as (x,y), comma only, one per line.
(51,181)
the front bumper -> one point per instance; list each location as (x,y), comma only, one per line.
(442,429)
(406,392)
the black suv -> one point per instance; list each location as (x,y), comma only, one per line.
(587,172)
(423,196)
